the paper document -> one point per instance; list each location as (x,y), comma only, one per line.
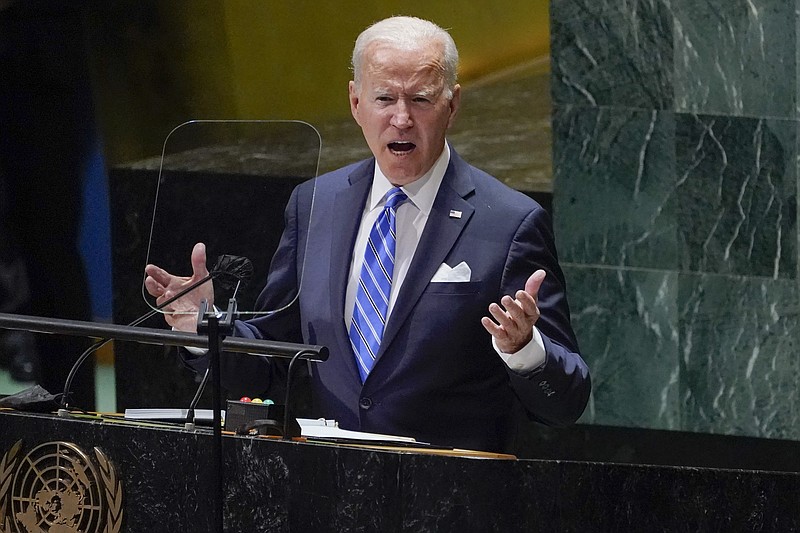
(329,429)
(200,415)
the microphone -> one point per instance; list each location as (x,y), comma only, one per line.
(229,270)
(232,270)
(235,270)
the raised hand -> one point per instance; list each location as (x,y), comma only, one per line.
(513,328)
(182,313)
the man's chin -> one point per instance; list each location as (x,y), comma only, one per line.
(400,172)
(399,177)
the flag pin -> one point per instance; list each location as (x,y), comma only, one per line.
(455,214)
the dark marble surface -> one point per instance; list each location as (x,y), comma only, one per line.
(678,235)
(675,201)
(736,197)
(736,58)
(283,486)
(607,53)
(613,181)
(740,368)
(634,445)
(627,325)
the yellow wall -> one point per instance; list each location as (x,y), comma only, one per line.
(163,62)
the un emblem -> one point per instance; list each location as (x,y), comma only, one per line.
(56,488)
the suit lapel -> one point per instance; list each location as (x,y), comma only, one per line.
(440,234)
(347,208)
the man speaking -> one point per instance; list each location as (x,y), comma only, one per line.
(436,288)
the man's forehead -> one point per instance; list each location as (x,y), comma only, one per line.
(419,88)
(404,68)
(383,55)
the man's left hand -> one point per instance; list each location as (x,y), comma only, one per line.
(513,328)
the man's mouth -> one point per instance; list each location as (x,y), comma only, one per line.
(401,147)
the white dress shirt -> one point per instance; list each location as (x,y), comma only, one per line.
(412,216)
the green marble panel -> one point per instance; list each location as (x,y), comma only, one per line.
(626,321)
(736,58)
(612,53)
(737,195)
(614,175)
(740,364)
(678,231)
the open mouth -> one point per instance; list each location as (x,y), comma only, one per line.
(401,147)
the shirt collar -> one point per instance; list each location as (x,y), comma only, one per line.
(422,191)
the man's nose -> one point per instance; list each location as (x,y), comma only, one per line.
(401,118)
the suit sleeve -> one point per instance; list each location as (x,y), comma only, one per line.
(557,392)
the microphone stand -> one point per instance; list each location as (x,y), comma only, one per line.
(227,268)
(189,422)
(232,312)
(217,330)
(64,410)
(162,337)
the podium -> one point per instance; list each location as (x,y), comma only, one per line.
(276,485)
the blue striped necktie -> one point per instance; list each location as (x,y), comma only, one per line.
(375,285)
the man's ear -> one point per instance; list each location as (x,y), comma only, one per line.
(353,95)
(455,104)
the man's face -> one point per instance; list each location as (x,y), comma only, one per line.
(403,109)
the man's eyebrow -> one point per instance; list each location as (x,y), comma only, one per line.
(381,90)
(426,93)
(429,92)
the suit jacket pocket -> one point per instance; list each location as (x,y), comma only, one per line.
(454,288)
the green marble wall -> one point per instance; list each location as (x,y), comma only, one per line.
(675,193)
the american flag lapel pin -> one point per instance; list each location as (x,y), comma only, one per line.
(455,214)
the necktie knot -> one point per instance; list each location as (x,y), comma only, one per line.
(394,198)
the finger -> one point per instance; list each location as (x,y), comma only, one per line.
(515,309)
(199,269)
(534,283)
(493,329)
(528,303)
(160,275)
(501,317)
(153,287)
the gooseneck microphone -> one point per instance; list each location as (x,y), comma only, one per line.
(228,271)
(189,420)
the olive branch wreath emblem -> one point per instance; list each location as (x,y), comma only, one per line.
(111,487)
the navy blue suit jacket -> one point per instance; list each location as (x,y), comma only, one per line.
(437,376)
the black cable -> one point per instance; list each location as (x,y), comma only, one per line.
(286,433)
(190,413)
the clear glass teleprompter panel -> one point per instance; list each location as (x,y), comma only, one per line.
(226,184)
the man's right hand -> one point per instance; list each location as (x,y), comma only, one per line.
(182,313)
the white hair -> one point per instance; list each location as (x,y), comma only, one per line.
(407,33)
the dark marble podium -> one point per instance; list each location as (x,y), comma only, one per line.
(273,485)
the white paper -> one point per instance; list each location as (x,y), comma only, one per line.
(330,429)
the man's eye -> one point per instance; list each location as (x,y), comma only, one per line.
(421,100)
(384,99)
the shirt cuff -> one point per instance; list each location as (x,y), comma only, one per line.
(194,350)
(529,358)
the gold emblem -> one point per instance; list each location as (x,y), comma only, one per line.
(56,488)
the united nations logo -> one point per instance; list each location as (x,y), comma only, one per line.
(56,488)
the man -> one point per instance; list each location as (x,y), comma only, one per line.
(406,252)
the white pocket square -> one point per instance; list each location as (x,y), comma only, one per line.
(459,273)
